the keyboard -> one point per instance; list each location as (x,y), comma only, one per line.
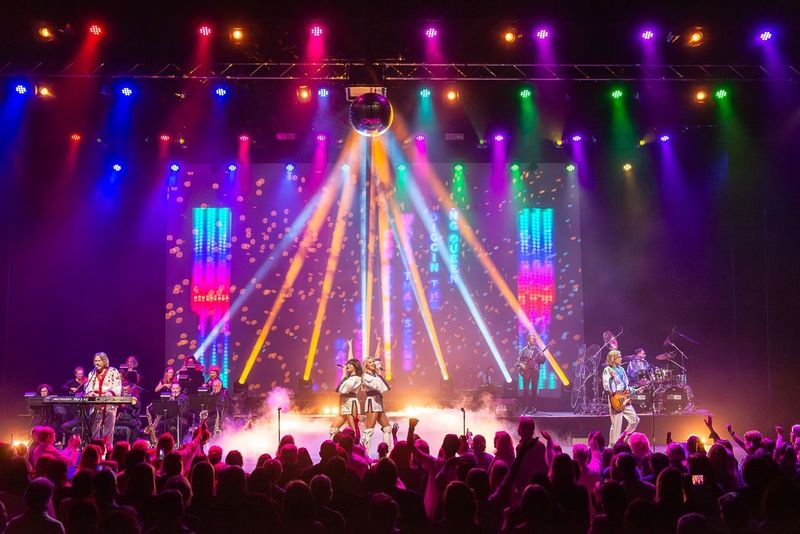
(65,399)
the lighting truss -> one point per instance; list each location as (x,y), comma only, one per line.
(407,71)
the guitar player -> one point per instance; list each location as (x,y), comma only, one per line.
(529,361)
(615,380)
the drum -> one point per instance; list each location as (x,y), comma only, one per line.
(674,399)
(663,375)
(642,400)
(643,378)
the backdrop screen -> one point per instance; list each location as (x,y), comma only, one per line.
(233,235)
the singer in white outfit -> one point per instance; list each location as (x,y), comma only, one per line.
(616,379)
(375,386)
(103,381)
(348,394)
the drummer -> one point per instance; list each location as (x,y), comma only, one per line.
(639,367)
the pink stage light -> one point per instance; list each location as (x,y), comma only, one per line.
(205,30)
(322,137)
(431,32)
(499,137)
(419,138)
(96,30)
(244,138)
(648,34)
(316,30)
(165,138)
(542,34)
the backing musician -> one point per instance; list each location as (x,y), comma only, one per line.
(639,365)
(103,381)
(529,361)
(615,380)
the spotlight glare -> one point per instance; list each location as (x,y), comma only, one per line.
(165,138)
(244,138)
(642,142)
(664,138)
(345,167)
(116,167)
(525,93)
(174,167)
(648,34)
(570,168)
(96,30)
(425,93)
(205,30)
(322,137)
(766,35)
(696,38)
(323,92)
(627,167)
(232,168)
(515,167)
(419,138)
(289,168)
(237,35)
(20,89)
(75,136)
(451,95)
(431,32)
(44,91)
(316,30)
(542,34)
(126,91)
(303,94)
(45,33)
(701,96)
(721,94)
(220,91)
(616,94)
(499,137)
(577,138)
(402,167)
(510,36)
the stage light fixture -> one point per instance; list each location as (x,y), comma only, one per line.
(576,138)
(174,167)
(696,38)
(21,89)
(289,168)
(237,35)
(425,93)
(431,32)
(220,91)
(44,91)
(126,91)
(701,96)
(96,30)
(244,138)
(647,35)
(75,136)
(766,35)
(316,30)
(514,167)
(664,138)
(542,34)
(164,137)
(721,94)
(510,36)
(451,95)
(458,167)
(526,93)
(205,30)
(232,168)
(559,142)
(323,92)
(402,167)
(627,167)
(321,137)
(642,142)
(616,94)
(116,167)
(570,168)
(499,138)
(345,167)
(303,94)
(45,33)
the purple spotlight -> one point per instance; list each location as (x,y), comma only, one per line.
(431,32)
(664,138)
(576,138)
(766,35)
(420,138)
(321,137)
(648,34)
(499,137)
(542,34)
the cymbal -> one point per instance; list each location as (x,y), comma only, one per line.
(628,358)
(666,356)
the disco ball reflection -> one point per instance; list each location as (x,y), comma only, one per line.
(371,114)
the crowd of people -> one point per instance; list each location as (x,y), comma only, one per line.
(412,486)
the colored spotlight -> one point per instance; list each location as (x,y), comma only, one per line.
(515,167)
(244,138)
(116,167)
(526,93)
(642,142)
(696,38)
(21,89)
(323,93)
(419,138)
(510,36)
(576,138)
(289,168)
(96,30)
(165,138)
(765,35)
(205,30)
(542,34)
(44,91)
(499,138)
(316,30)
(570,168)
(425,93)
(237,35)
(402,167)
(322,137)
(303,94)
(721,94)
(458,167)
(701,96)
(616,94)
(126,91)
(232,168)
(451,95)
(627,167)
(431,32)
(174,167)
(220,91)
(75,137)
(664,138)
(647,35)
(45,33)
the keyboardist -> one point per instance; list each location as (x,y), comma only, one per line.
(103,381)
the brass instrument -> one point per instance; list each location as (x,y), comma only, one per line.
(217,424)
(150,429)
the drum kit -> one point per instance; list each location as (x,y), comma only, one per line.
(660,390)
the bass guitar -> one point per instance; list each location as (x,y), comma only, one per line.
(528,367)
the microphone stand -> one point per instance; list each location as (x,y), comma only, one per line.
(279,425)
(463,422)
(594,371)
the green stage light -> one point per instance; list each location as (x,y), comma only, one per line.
(425,93)
(570,168)
(515,167)
(458,167)
(616,94)
(721,93)
(526,93)
(401,167)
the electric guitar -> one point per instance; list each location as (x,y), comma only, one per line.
(527,368)
(620,399)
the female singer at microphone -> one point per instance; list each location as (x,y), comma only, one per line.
(103,381)
(375,386)
(347,390)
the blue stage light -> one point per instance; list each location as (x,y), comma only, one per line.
(323,93)
(126,91)
(232,168)
(220,91)
(289,168)
(116,167)
(174,167)
(21,89)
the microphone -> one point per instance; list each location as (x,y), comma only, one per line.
(668,340)
(340,365)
